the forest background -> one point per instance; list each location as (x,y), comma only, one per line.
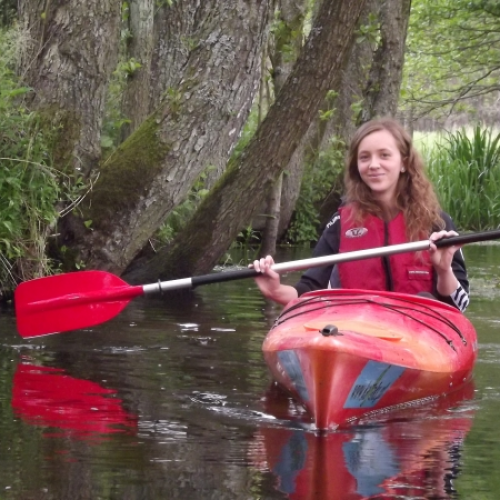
(149,137)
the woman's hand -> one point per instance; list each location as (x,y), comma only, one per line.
(269,282)
(441,259)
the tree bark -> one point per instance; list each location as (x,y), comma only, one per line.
(196,124)
(384,83)
(270,234)
(70,51)
(245,183)
(179,28)
(292,180)
(136,95)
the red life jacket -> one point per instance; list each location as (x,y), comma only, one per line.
(405,272)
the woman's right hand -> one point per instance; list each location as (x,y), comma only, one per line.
(269,282)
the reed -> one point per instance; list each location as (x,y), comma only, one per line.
(464,167)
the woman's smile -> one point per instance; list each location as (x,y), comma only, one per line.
(379,164)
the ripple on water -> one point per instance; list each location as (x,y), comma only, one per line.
(168,429)
(489,353)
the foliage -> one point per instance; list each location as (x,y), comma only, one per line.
(465,169)
(29,186)
(320,177)
(451,62)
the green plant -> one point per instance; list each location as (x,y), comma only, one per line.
(30,187)
(465,170)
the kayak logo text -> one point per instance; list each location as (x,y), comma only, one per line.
(372,383)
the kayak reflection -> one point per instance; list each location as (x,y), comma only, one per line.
(414,456)
(48,397)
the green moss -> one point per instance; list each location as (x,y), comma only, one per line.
(128,173)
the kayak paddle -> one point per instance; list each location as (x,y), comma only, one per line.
(86,298)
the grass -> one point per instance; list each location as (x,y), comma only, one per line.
(464,167)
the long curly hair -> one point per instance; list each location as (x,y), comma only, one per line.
(415,195)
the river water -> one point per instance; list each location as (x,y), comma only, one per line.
(172,400)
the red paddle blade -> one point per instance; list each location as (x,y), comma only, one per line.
(70,301)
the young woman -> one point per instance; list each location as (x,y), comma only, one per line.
(388,201)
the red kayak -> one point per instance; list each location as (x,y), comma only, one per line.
(354,355)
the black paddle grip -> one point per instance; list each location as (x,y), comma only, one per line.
(468,238)
(224,276)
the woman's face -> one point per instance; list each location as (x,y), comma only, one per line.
(380,164)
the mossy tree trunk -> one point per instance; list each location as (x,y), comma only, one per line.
(245,184)
(196,124)
(70,51)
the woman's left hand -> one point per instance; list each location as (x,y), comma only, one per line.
(441,258)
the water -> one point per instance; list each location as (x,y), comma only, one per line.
(172,400)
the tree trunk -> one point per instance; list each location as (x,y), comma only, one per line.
(196,124)
(70,51)
(179,29)
(382,91)
(270,234)
(341,125)
(292,179)
(135,99)
(283,54)
(245,183)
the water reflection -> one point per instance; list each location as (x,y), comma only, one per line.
(417,455)
(67,406)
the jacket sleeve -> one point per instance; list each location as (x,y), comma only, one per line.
(318,278)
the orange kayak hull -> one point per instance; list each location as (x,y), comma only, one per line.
(351,355)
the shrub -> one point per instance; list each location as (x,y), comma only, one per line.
(29,185)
